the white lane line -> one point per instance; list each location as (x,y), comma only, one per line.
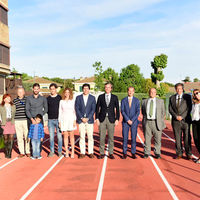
(1,167)
(174,142)
(103,171)
(43,177)
(171,191)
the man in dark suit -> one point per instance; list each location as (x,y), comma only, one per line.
(107,116)
(130,109)
(153,111)
(180,106)
(85,106)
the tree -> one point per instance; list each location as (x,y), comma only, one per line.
(147,84)
(26,77)
(163,89)
(187,79)
(131,76)
(98,76)
(196,80)
(110,75)
(159,63)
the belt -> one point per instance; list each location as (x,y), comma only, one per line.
(151,120)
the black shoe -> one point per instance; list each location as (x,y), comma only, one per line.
(157,156)
(124,156)
(134,156)
(101,156)
(145,156)
(111,156)
(189,157)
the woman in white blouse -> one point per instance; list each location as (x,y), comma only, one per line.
(196,120)
(7,115)
(67,119)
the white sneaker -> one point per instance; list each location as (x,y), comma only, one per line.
(32,158)
(39,157)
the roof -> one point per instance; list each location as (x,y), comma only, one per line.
(41,81)
(88,80)
(188,86)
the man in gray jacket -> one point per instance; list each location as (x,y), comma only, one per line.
(153,111)
(35,104)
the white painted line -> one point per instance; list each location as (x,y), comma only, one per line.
(8,163)
(43,177)
(1,167)
(103,171)
(174,142)
(171,191)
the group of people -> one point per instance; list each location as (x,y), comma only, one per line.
(24,116)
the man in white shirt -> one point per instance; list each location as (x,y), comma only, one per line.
(85,106)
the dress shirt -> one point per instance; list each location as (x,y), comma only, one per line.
(177,95)
(154,108)
(195,112)
(85,99)
(109,96)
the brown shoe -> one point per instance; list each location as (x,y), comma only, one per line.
(81,156)
(178,157)
(21,155)
(28,155)
(91,155)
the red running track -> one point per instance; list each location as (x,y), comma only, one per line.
(65,178)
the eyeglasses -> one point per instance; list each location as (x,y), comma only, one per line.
(196,93)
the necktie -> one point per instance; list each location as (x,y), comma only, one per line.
(130,102)
(107,99)
(151,108)
(178,102)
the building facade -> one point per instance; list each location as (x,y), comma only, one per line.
(4,45)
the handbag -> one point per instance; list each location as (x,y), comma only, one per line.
(2,144)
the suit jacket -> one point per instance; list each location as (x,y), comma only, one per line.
(3,114)
(130,113)
(112,109)
(184,108)
(160,113)
(83,111)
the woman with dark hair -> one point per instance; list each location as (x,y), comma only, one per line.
(196,120)
(67,119)
(7,115)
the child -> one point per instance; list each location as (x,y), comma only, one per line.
(36,134)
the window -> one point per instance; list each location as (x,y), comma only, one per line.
(3,15)
(80,89)
(4,55)
(2,85)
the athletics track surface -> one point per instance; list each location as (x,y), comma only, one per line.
(84,179)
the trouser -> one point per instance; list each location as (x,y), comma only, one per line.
(36,143)
(180,127)
(83,129)
(8,140)
(110,127)
(52,126)
(196,134)
(21,127)
(151,130)
(125,132)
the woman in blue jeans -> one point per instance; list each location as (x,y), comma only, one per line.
(36,135)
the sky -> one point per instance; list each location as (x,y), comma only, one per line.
(64,38)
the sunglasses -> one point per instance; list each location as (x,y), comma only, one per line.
(196,93)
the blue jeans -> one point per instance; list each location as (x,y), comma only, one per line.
(36,147)
(52,125)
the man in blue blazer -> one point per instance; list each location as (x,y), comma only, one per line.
(130,109)
(85,106)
